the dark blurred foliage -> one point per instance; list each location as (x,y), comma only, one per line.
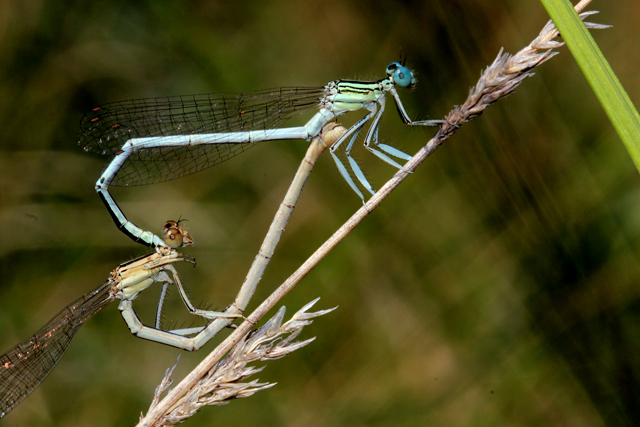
(497,286)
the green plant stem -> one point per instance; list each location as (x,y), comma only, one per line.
(603,81)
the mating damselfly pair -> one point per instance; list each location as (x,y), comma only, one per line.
(155,140)
(159,139)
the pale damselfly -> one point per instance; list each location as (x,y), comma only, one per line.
(27,364)
(159,139)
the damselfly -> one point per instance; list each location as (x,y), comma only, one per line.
(159,139)
(27,364)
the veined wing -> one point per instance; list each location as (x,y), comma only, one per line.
(104,130)
(26,365)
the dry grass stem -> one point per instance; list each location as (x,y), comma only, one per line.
(223,382)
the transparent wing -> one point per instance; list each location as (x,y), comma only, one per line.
(104,130)
(26,365)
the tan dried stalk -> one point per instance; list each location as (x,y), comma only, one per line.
(499,80)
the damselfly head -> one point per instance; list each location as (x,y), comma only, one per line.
(175,236)
(401,75)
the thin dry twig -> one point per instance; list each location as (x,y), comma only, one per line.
(499,80)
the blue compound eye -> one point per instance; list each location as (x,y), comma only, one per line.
(402,76)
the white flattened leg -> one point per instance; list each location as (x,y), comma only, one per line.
(371,142)
(352,134)
(145,332)
(355,129)
(357,171)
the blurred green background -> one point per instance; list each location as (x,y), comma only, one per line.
(497,286)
